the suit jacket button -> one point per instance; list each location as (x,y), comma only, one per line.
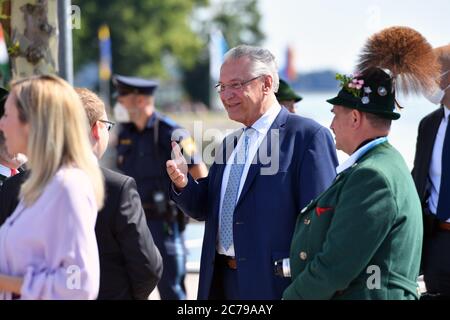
(303,255)
(307,221)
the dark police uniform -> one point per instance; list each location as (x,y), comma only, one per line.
(143,157)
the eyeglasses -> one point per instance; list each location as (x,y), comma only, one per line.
(220,87)
(109,124)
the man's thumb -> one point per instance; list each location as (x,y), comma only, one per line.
(176,151)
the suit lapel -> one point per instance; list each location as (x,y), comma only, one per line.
(430,136)
(255,167)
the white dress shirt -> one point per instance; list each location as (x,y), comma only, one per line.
(52,243)
(436,164)
(5,171)
(261,127)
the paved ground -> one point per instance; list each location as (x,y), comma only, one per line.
(192,283)
(191,287)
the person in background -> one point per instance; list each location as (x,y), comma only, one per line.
(287,97)
(431,174)
(144,146)
(9,165)
(59,201)
(261,178)
(130,263)
(362,238)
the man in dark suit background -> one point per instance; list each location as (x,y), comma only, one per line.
(431,174)
(261,178)
(9,164)
(130,263)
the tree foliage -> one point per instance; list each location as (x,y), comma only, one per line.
(141,33)
(239,21)
(144,31)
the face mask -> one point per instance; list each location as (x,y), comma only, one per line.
(120,113)
(436,95)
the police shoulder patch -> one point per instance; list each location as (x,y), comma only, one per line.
(125,141)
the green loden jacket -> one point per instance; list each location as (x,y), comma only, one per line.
(361,238)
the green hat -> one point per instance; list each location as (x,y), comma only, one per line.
(3,95)
(371,92)
(286,93)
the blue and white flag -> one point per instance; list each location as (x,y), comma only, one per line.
(217,48)
(105,53)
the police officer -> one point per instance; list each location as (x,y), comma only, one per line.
(144,146)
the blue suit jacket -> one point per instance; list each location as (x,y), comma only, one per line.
(267,208)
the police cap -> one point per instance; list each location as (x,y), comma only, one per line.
(127,85)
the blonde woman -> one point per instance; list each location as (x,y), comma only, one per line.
(48,248)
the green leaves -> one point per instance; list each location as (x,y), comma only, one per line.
(142,32)
(350,84)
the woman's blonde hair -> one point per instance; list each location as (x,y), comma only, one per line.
(58,134)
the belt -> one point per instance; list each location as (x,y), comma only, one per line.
(230,262)
(445,226)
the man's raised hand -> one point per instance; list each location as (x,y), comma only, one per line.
(177,168)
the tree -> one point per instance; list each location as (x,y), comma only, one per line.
(31,29)
(239,21)
(142,32)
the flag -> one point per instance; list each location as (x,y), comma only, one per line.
(288,71)
(105,66)
(4,59)
(217,48)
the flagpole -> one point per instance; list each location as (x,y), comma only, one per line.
(105,65)
(65,55)
(105,94)
(217,49)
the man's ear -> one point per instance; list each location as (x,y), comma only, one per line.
(268,84)
(95,131)
(356,118)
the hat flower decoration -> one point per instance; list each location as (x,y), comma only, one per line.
(355,85)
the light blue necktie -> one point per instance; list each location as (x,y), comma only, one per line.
(231,192)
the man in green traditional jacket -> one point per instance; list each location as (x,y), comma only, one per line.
(362,238)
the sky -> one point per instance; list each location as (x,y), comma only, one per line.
(328,34)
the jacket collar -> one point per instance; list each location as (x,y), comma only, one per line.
(359,153)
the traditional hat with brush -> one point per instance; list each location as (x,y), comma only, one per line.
(394,59)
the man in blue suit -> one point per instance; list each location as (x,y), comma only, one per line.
(261,178)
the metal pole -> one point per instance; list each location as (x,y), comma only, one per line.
(65,54)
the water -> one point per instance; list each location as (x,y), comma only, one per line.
(403,137)
(403,131)
(194,237)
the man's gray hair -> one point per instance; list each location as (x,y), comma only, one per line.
(262,61)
